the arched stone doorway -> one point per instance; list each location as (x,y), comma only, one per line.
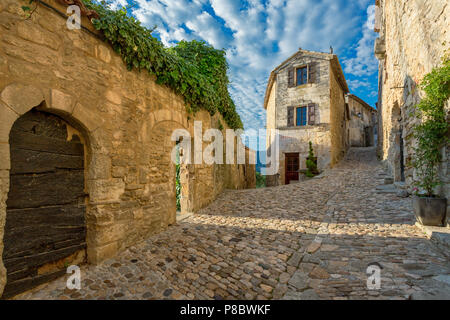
(45,228)
(165,178)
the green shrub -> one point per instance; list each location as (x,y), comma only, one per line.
(193,69)
(260,180)
(311,164)
(432,132)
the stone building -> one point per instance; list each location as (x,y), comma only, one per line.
(85,149)
(362,122)
(413,38)
(306,101)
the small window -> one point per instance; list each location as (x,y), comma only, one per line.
(302,119)
(302,76)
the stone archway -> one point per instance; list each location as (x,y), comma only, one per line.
(160,134)
(18,99)
(45,226)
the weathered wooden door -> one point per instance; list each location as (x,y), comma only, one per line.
(292,167)
(45,216)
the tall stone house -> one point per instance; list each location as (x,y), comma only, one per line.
(362,122)
(85,149)
(307,101)
(413,38)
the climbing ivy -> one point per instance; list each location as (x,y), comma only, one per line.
(193,69)
(27,9)
(432,132)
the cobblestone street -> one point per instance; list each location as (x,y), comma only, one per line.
(312,240)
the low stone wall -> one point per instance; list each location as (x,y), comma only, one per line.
(125,119)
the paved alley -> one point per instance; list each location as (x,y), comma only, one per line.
(312,240)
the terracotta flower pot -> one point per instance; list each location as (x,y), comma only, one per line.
(430,211)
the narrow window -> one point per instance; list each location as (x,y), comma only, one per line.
(302,76)
(302,116)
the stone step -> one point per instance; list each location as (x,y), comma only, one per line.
(387,188)
(400,185)
(440,236)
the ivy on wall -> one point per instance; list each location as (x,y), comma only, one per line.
(193,69)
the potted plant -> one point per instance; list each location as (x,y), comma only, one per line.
(311,163)
(431,135)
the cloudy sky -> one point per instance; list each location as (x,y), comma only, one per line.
(259,34)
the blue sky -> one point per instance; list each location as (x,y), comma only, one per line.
(259,34)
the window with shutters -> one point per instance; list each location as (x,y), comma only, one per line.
(302,76)
(301,116)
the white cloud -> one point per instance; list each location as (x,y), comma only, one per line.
(209,29)
(259,34)
(170,16)
(117,4)
(365,63)
(355,84)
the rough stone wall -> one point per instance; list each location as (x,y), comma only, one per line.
(296,139)
(338,121)
(125,118)
(413,37)
(357,124)
(326,93)
(318,92)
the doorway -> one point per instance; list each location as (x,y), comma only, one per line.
(292,167)
(45,217)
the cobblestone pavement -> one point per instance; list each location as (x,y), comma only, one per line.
(312,240)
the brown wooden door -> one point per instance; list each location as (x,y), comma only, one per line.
(45,216)
(292,167)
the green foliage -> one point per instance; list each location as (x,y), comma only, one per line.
(432,132)
(310,163)
(178,180)
(260,180)
(27,9)
(193,69)
(220,125)
(178,187)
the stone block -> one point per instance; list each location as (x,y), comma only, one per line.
(97,254)
(21,97)
(103,53)
(100,167)
(299,280)
(100,216)
(61,101)
(5,160)
(118,172)
(88,117)
(8,117)
(295,259)
(113,96)
(32,32)
(107,234)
